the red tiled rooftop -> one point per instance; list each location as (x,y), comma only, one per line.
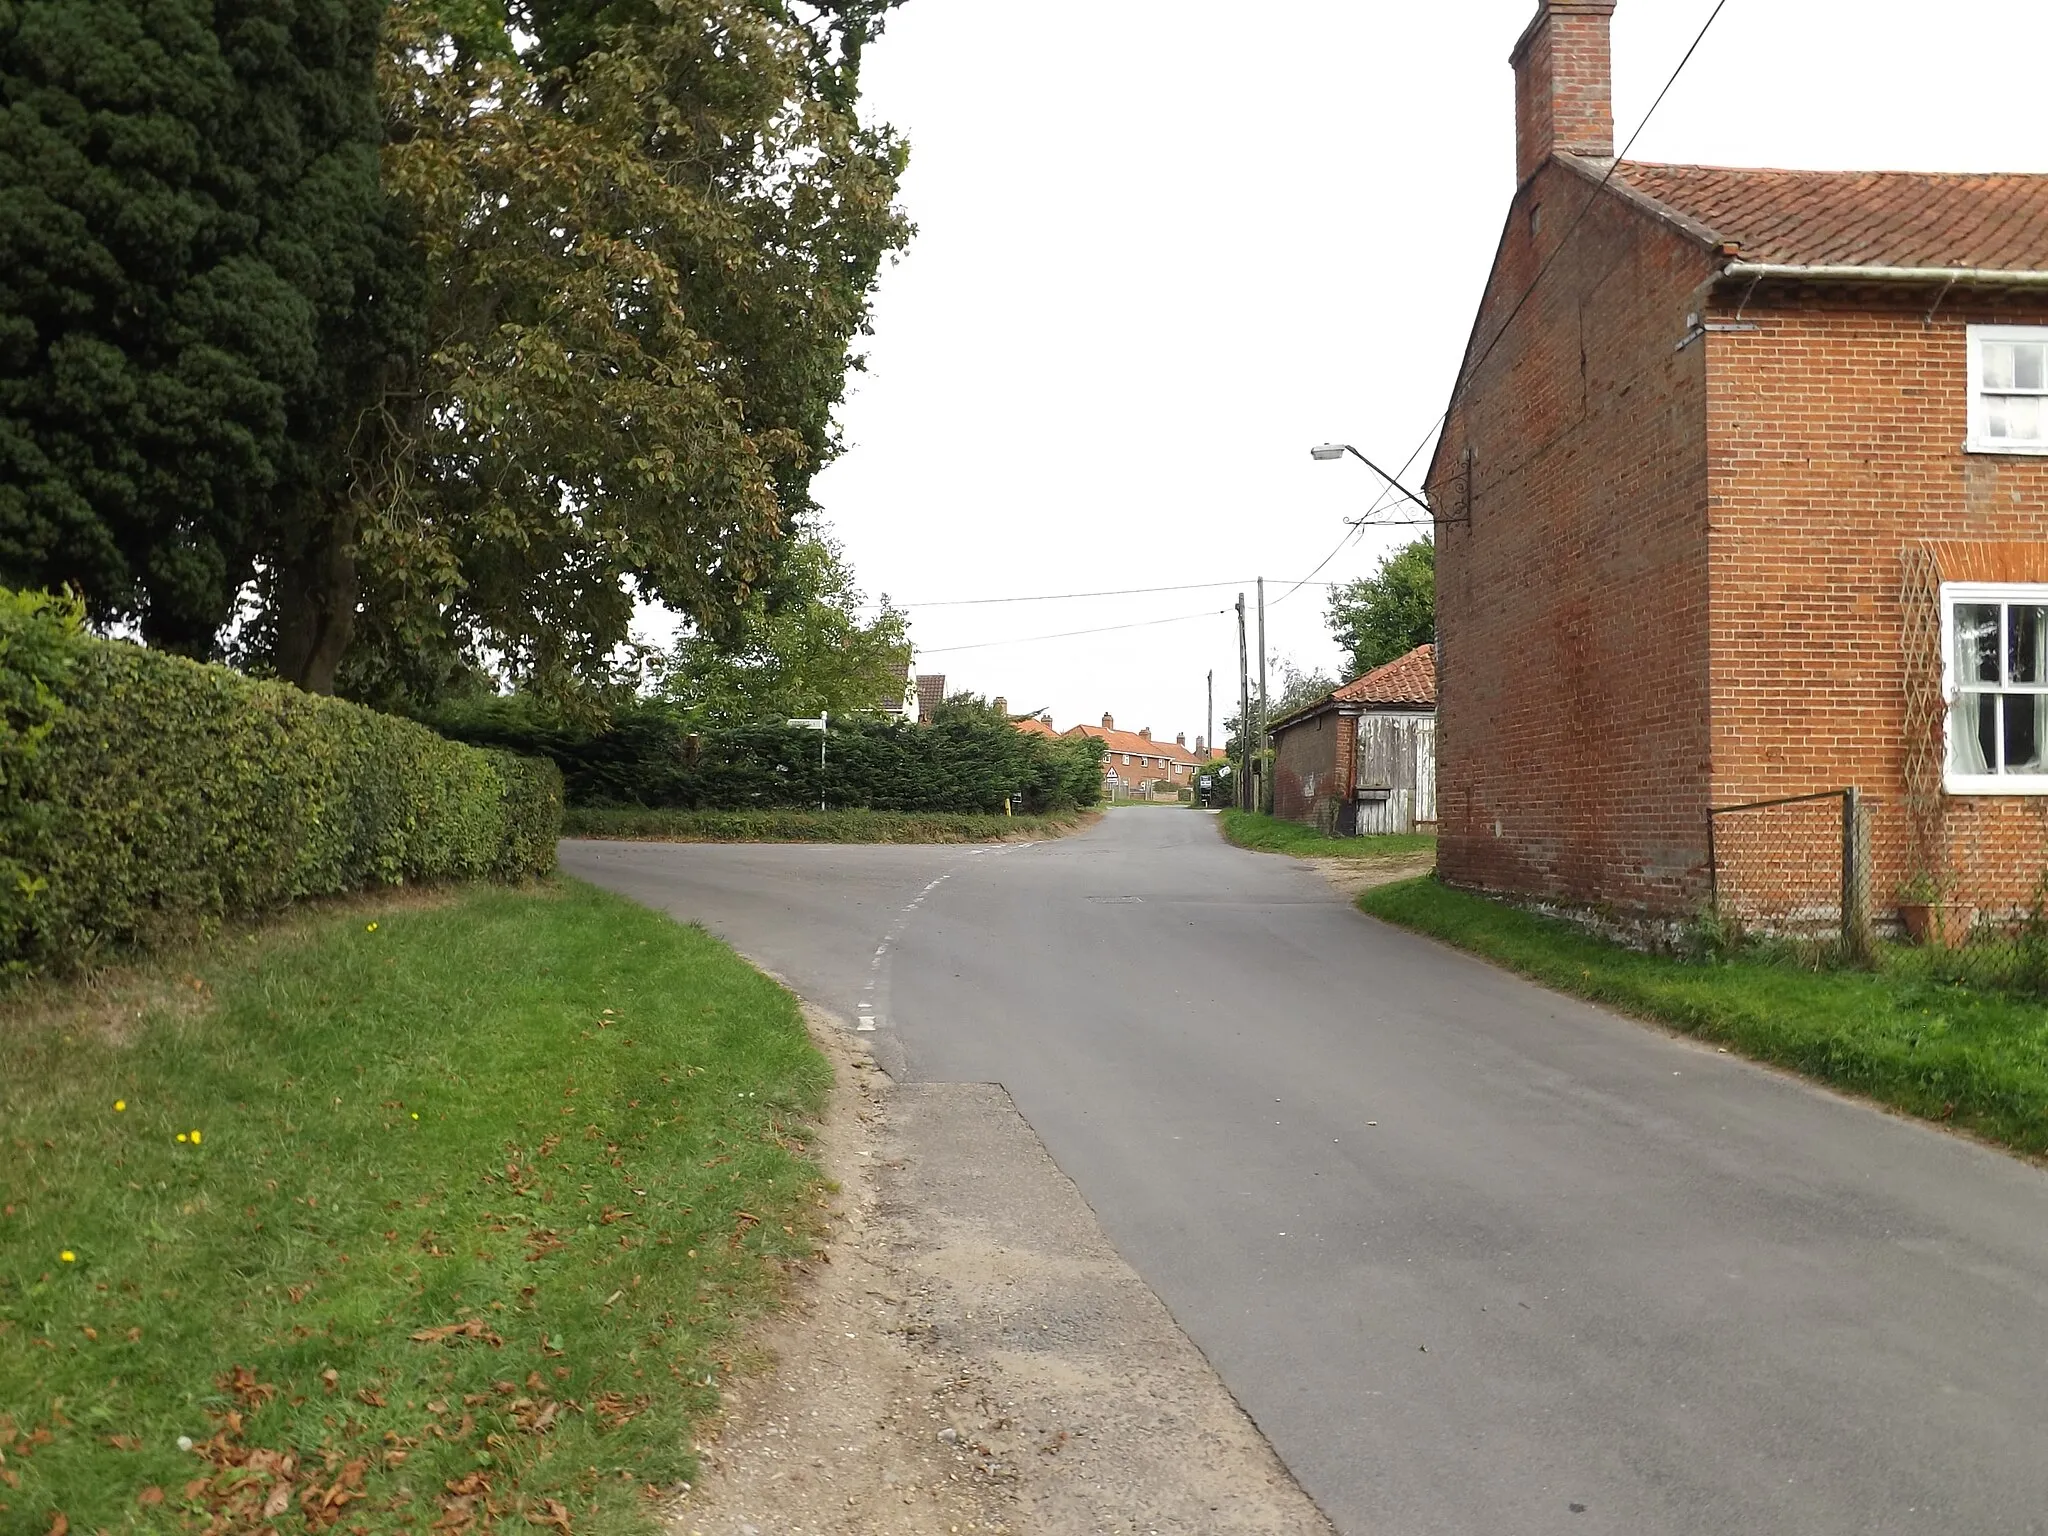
(1993,222)
(1409,680)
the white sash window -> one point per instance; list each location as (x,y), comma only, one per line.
(2008,389)
(1995,676)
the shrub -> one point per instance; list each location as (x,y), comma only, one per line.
(647,756)
(147,796)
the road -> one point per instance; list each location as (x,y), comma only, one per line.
(1476,1258)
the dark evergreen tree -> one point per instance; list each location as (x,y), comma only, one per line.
(201,291)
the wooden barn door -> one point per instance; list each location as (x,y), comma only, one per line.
(1396,785)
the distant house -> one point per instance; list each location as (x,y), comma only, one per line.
(1134,758)
(1363,758)
(1743,494)
(931,693)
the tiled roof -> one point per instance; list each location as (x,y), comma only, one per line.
(1406,680)
(1133,743)
(1031,725)
(1854,218)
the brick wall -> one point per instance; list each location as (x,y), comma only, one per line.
(1572,611)
(1563,83)
(1311,767)
(1835,431)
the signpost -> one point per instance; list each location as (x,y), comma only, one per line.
(817,725)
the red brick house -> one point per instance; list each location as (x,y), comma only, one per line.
(1747,497)
(1135,759)
(1360,759)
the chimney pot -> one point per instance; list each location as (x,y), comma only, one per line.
(1145,731)
(1180,739)
(1564,84)
(1108,721)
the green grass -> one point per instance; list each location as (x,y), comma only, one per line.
(478,1194)
(812,826)
(1898,1034)
(1269,834)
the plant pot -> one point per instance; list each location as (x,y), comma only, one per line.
(1937,924)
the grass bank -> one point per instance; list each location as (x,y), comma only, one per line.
(1269,834)
(1897,1034)
(814,826)
(428,1214)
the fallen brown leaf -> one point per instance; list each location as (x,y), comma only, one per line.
(472,1329)
(554,1515)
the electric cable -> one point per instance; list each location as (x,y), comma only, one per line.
(983,645)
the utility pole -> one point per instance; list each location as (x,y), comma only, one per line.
(1244,715)
(1262,676)
(1209,740)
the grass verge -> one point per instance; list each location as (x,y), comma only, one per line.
(1269,834)
(1896,1034)
(422,1215)
(813,826)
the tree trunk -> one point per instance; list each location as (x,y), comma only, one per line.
(317,590)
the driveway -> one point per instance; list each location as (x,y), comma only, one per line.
(1475,1257)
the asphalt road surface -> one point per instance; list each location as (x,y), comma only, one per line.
(1476,1258)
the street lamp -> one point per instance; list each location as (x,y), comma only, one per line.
(1323,453)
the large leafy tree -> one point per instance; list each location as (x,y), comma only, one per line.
(201,287)
(804,651)
(1387,614)
(650,241)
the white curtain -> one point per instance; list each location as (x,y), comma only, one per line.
(1968,713)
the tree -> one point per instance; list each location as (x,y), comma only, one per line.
(1297,689)
(1387,614)
(804,653)
(649,245)
(201,284)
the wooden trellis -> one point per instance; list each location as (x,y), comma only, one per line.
(1926,710)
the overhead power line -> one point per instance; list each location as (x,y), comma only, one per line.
(984,645)
(1057,597)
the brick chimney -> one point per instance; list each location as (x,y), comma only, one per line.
(1108,721)
(1145,731)
(1564,77)
(1002,705)
(1181,739)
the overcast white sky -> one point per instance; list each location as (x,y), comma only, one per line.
(1164,247)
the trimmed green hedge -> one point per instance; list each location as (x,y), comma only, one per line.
(143,796)
(967,763)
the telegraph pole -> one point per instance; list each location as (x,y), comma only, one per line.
(1262,674)
(1209,740)
(1244,715)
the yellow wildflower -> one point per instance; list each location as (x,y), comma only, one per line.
(371,929)
(181,1135)
(68,1257)
(195,1138)
(120,1104)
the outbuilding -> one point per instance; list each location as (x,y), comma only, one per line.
(1363,758)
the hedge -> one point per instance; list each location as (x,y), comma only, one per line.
(146,797)
(646,756)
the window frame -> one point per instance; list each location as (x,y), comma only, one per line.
(2029,593)
(1978,438)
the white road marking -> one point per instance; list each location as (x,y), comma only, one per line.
(875,989)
